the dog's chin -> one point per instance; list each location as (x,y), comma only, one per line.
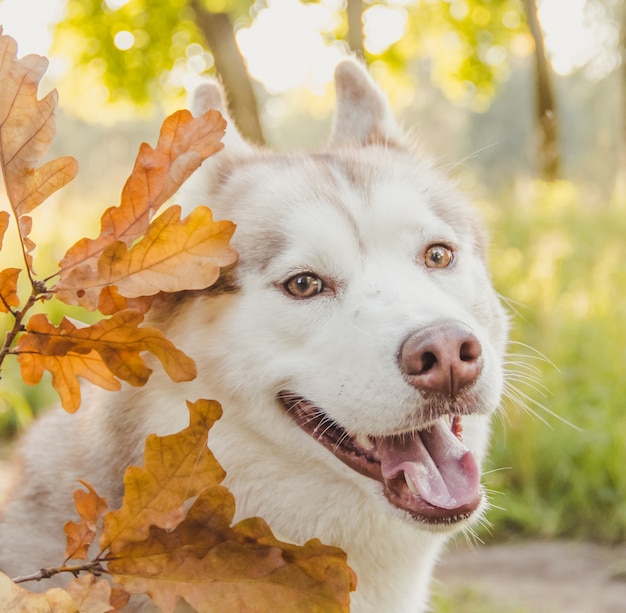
(428,473)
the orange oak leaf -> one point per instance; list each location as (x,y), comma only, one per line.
(8,289)
(110,302)
(216,567)
(176,467)
(91,508)
(118,340)
(15,598)
(102,353)
(4,224)
(27,127)
(93,596)
(184,143)
(65,371)
(173,255)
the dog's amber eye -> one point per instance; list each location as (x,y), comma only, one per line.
(438,256)
(305,285)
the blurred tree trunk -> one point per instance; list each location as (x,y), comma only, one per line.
(354,11)
(220,36)
(549,154)
(620,186)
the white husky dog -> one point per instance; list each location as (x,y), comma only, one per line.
(356,348)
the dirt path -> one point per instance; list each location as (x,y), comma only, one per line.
(539,577)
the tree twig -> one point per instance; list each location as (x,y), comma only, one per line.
(18,323)
(95,568)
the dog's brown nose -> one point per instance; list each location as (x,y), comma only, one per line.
(441,359)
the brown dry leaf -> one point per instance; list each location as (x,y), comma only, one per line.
(203,559)
(216,567)
(118,341)
(27,127)
(93,596)
(176,467)
(5,218)
(184,143)
(91,508)
(15,598)
(119,598)
(173,255)
(8,289)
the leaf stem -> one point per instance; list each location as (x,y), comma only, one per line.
(95,568)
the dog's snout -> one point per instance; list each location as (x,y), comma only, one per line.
(441,359)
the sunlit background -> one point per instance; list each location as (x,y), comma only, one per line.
(577,34)
(466,91)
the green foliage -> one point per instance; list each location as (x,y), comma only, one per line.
(564,262)
(467,43)
(88,34)
(164,37)
(467,601)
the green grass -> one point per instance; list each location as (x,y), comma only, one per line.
(469,601)
(565,262)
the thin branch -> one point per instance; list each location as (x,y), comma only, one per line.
(546,111)
(18,323)
(95,568)
(217,29)
(354,12)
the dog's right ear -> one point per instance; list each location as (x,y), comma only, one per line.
(210,95)
(363,116)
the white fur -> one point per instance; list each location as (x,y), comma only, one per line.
(360,214)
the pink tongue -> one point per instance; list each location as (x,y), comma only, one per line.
(443,471)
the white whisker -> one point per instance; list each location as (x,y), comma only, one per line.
(497,470)
(537,354)
(524,400)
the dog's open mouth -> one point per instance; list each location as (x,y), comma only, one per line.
(428,473)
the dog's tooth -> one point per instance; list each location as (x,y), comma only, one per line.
(410,485)
(364,441)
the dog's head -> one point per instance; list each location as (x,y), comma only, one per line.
(360,306)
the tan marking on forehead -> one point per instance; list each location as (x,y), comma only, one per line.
(317,181)
(439,192)
(359,173)
(333,178)
(258,251)
(330,190)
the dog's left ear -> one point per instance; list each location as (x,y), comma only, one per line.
(210,95)
(363,115)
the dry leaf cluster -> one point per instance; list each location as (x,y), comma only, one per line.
(173,536)
(153,545)
(136,255)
